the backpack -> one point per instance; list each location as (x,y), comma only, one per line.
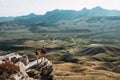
(36,53)
(43,50)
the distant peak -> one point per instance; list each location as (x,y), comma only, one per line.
(97,8)
(56,10)
(84,9)
(32,14)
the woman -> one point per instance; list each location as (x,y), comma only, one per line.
(37,54)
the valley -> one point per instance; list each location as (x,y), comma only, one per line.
(82,45)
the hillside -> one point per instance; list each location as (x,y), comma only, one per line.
(82,45)
(86,23)
(89,27)
(72,58)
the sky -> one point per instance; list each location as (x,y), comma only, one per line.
(25,7)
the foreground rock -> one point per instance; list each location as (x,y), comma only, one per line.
(40,70)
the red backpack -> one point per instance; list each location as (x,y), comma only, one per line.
(43,50)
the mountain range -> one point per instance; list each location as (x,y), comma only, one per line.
(96,22)
(57,15)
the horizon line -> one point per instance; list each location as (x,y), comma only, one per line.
(59,9)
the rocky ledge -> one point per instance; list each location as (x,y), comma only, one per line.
(41,69)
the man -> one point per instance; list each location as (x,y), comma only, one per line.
(43,51)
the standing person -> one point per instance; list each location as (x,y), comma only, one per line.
(43,51)
(37,54)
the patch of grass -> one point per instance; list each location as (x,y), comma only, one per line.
(54,56)
(69,58)
(116,69)
(88,77)
(80,69)
(102,68)
(106,57)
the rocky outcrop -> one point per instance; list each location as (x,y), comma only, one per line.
(41,69)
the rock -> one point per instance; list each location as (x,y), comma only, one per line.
(44,67)
(8,57)
(20,76)
(1,62)
(33,73)
(22,73)
(41,69)
(46,70)
(25,59)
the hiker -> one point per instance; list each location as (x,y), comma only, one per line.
(37,54)
(43,52)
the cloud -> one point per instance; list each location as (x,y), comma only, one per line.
(3,3)
(22,7)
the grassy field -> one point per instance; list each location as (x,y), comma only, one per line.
(73,58)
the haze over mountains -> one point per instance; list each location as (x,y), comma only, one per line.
(95,22)
(57,15)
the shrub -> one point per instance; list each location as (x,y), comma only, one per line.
(7,69)
(116,69)
(69,58)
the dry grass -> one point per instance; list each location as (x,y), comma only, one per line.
(89,70)
(86,69)
(64,66)
(87,77)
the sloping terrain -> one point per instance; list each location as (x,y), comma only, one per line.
(89,27)
(93,50)
(77,42)
(93,63)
